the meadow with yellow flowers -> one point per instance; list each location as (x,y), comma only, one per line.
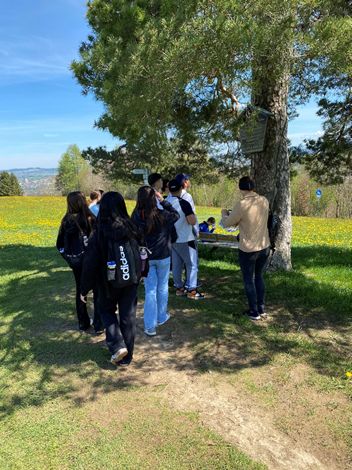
(196,389)
(35,221)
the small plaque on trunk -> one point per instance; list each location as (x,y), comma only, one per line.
(252,132)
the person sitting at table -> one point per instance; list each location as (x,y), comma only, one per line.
(207,226)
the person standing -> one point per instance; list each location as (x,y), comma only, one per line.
(95,197)
(75,228)
(185,182)
(184,248)
(251,215)
(107,262)
(155,180)
(165,188)
(157,226)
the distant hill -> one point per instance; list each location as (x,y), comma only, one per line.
(36,181)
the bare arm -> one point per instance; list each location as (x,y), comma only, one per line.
(191,219)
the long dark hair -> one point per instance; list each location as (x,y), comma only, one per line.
(77,210)
(113,212)
(146,208)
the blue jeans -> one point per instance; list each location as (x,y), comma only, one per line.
(156,292)
(185,254)
(252,267)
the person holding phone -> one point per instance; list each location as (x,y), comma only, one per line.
(251,215)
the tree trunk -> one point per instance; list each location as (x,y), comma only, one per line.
(270,168)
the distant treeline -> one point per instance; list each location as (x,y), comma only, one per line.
(9,185)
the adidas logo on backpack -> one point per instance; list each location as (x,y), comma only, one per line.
(124,265)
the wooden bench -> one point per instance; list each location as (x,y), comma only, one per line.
(217,240)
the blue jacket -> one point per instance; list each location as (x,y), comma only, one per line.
(205,228)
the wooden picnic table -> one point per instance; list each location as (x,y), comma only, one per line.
(218,240)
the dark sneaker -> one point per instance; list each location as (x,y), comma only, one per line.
(124,363)
(118,356)
(166,319)
(252,315)
(99,332)
(182,292)
(195,295)
(85,329)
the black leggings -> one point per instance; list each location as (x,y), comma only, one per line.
(81,307)
(120,328)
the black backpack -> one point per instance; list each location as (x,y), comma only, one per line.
(274,224)
(74,247)
(124,263)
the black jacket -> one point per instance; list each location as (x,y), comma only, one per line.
(159,241)
(71,228)
(96,256)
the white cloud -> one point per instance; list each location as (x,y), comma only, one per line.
(31,58)
(307,125)
(41,142)
(48,126)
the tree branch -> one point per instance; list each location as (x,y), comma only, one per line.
(229,94)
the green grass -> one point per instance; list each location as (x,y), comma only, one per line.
(56,387)
(315,297)
(63,406)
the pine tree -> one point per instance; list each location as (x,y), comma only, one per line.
(181,67)
(9,185)
(16,189)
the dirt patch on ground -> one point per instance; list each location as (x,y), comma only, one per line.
(273,415)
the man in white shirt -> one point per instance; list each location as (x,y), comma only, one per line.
(185,182)
(184,248)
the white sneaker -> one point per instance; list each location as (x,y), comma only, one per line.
(166,319)
(120,354)
(150,331)
(251,315)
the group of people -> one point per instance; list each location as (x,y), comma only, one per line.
(110,251)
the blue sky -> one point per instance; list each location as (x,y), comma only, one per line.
(42,109)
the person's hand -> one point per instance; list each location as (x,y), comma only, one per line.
(159,196)
(84,299)
(225,212)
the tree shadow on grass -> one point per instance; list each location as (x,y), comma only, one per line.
(311,319)
(44,357)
